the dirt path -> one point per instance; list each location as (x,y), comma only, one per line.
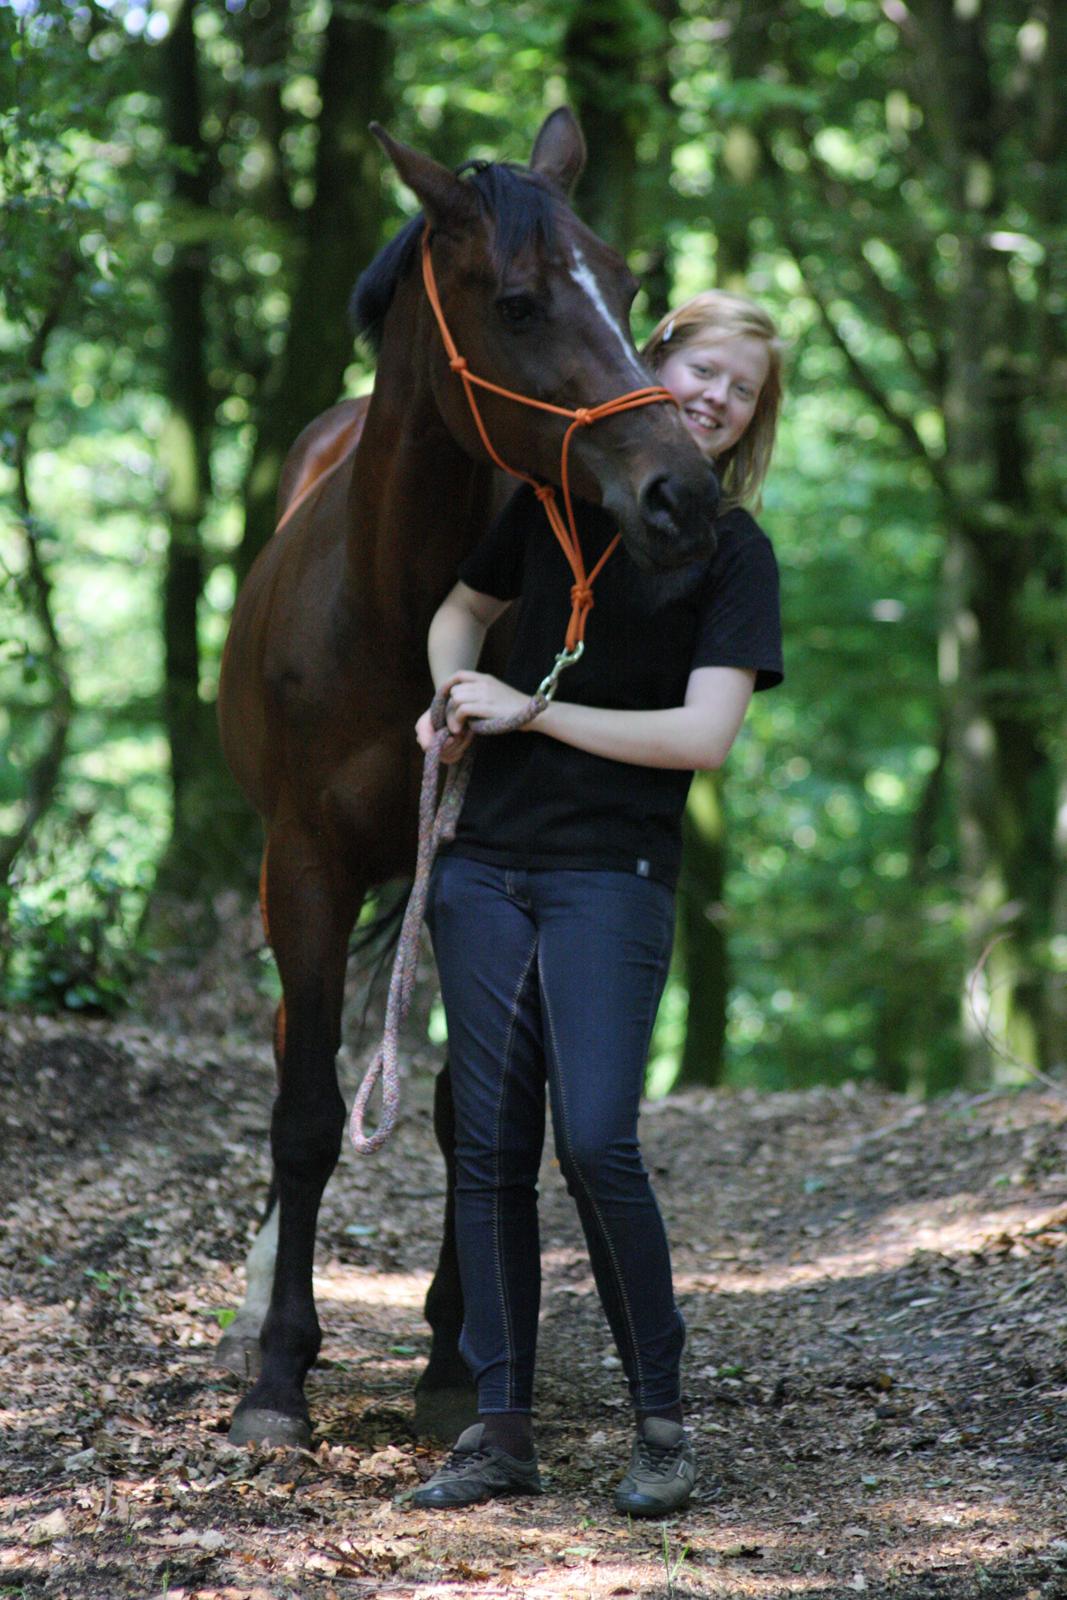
(876,1367)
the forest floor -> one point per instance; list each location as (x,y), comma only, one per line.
(875,1375)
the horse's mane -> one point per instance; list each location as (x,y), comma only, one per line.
(521,205)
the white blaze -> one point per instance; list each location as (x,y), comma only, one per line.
(584,278)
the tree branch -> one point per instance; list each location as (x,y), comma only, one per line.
(861,376)
(930,376)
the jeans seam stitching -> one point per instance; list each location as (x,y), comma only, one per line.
(605,1235)
(505,1304)
(650,1022)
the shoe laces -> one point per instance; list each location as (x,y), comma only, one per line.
(655,1456)
(459,1459)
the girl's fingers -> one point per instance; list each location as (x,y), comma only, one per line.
(464,675)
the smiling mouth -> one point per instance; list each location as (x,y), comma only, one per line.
(698,419)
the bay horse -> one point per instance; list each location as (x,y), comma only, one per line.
(325,670)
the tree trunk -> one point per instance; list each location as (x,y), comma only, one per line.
(36,588)
(192,864)
(1003,775)
(601,61)
(655,266)
(1056,988)
(1049,143)
(740,157)
(341,232)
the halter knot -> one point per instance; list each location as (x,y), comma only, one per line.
(458,363)
(545,492)
(583,417)
(582,596)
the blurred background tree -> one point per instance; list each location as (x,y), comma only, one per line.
(189,192)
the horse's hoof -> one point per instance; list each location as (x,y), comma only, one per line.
(444,1413)
(239,1353)
(270,1428)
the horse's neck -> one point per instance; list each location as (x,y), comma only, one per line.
(418,501)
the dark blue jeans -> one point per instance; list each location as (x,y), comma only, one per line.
(554,977)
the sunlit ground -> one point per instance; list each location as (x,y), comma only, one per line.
(875,1370)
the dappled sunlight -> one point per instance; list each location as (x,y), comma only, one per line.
(943,1514)
(902,1232)
(874,1376)
(358,1286)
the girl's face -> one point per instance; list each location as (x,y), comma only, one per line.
(717,379)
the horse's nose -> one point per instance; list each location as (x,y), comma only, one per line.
(675,507)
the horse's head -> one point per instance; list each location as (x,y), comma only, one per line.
(537,304)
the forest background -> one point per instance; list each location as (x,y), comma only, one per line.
(877,886)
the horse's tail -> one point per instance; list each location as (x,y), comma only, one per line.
(377,934)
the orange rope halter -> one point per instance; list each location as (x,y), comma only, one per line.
(565,531)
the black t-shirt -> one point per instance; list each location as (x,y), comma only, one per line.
(535,802)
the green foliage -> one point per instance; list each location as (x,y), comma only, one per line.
(798,127)
(672,1565)
(67,935)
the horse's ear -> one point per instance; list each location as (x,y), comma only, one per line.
(444,197)
(559,149)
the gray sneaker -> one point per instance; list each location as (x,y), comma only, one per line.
(476,1472)
(662,1471)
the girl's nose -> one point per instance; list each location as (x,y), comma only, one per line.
(717,388)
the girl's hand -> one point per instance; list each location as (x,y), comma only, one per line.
(477,696)
(454,746)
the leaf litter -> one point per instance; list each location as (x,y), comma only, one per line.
(875,1375)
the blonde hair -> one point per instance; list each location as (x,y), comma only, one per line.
(743,467)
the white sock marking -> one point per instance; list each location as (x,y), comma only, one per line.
(259,1270)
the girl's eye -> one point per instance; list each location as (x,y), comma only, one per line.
(517,310)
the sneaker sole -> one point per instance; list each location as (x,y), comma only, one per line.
(428,1504)
(632,1510)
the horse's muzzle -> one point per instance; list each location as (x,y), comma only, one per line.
(677,519)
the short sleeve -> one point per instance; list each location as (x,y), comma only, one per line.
(740,624)
(495,565)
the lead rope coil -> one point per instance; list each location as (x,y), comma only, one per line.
(437,826)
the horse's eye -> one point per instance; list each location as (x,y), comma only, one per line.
(517,310)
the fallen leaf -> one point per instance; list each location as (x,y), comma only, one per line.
(208,1539)
(54,1526)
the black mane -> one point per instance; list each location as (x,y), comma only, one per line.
(521,206)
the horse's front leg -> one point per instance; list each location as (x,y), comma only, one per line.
(311,907)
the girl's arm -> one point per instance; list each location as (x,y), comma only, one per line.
(455,641)
(458,631)
(695,736)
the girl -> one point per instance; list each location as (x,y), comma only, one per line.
(552,914)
